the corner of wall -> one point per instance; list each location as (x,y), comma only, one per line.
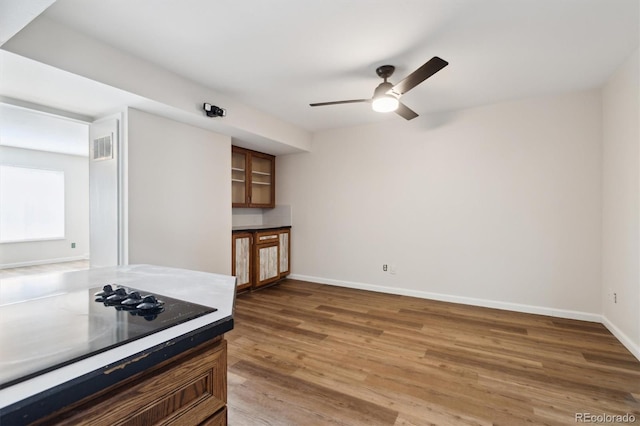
(621,203)
(628,343)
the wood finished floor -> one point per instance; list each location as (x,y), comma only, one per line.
(309,354)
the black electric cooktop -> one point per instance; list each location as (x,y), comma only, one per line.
(40,335)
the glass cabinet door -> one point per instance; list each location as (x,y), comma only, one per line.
(262,182)
(239,178)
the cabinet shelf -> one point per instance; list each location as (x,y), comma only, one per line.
(237,180)
(260,173)
(237,169)
(261,183)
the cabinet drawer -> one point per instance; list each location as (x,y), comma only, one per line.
(267,237)
(187,392)
(219,419)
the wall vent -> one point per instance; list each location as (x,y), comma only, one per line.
(103,148)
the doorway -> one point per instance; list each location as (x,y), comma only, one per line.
(37,148)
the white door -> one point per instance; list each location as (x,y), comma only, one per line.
(103,192)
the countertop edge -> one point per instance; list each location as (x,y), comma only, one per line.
(256,228)
(56,398)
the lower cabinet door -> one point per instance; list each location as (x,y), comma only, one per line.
(285,252)
(267,263)
(242,254)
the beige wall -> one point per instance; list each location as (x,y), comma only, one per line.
(498,205)
(179,195)
(621,197)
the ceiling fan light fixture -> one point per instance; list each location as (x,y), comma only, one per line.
(386,97)
(385,103)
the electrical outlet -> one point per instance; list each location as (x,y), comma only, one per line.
(615,297)
(384,267)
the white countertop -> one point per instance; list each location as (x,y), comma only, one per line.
(257,227)
(207,289)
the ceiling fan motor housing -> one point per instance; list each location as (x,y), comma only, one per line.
(384,88)
(384,99)
(385,71)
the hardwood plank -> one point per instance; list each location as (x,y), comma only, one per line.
(371,315)
(307,353)
(333,403)
(623,362)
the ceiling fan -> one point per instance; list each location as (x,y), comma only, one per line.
(386,97)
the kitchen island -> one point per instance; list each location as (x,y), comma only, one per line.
(67,359)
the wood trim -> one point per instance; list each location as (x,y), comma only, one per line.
(187,391)
(284,273)
(235,149)
(219,419)
(272,187)
(234,237)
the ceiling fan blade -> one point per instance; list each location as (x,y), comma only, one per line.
(352,101)
(405,112)
(429,68)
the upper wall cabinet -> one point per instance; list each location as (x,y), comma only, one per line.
(253,178)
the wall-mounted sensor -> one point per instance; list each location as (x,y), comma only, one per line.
(214,111)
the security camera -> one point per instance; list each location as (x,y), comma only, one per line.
(214,111)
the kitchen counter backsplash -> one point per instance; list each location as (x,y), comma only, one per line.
(255,219)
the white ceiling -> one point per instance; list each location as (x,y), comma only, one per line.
(281,55)
(15,14)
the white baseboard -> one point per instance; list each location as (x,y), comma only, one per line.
(507,306)
(623,338)
(44,262)
(516,307)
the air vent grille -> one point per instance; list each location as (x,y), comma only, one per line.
(103,148)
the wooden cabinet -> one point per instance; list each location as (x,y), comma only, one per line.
(260,257)
(284,238)
(219,419)
(190,389)
(267,258)
(239,192)
(242,255)
(253,178)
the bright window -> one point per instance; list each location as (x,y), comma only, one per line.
(31,204)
